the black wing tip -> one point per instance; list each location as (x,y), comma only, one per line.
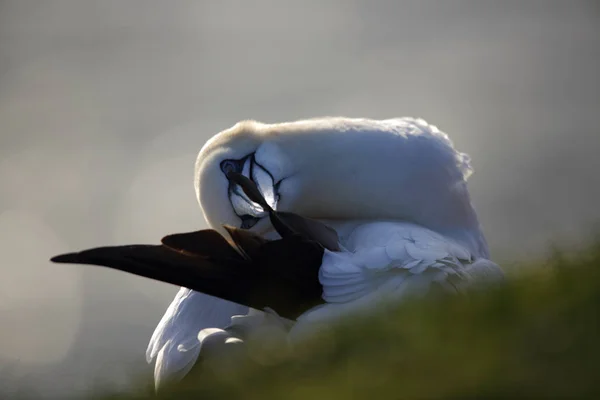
(68,258)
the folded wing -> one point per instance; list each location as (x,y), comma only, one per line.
(282,274)
(393,260)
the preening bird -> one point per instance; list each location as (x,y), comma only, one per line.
(309,220)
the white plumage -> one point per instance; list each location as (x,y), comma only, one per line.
(174,346)
(387,261)
(394,190)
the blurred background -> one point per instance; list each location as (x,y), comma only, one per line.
(105,104)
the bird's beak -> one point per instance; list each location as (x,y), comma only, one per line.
(249,188)
(286,223)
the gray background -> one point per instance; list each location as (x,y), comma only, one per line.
(104,105)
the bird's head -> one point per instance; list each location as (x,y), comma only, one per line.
(337,168)
(241,149)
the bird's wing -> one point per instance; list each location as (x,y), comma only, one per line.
(391,260)
(174,346)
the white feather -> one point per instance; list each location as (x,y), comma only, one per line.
(174,346)
(389,261)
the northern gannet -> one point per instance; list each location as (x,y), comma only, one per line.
(323,217)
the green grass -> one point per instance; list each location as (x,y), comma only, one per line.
(537,336)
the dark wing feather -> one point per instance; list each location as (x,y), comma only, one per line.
(206,243)
(247,242)
(224,279)
(294,263)
(311,229)
(281,274)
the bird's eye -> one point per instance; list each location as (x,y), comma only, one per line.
(229,166)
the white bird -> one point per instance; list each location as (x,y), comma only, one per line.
(385,214)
